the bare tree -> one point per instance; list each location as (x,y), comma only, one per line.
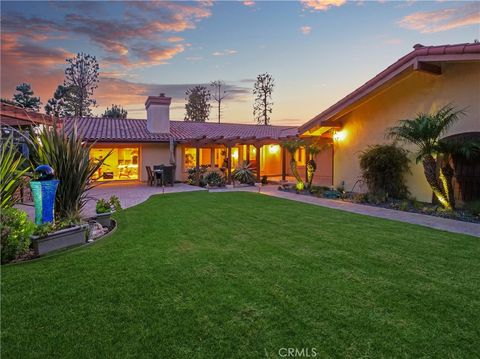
(218,95)
(262,106)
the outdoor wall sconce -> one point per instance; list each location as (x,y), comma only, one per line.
(273,149)
(339,135)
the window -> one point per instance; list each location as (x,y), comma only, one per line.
(300,156)
(122,164)
(190,157)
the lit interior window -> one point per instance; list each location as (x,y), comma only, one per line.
(122,164)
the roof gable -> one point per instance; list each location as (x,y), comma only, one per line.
(413,60)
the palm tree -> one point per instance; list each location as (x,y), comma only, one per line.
(425,132)
(312,150)
(448,150)
(292,147)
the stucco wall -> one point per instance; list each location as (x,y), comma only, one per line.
(157,154)
(459,85)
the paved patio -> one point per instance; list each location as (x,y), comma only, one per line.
(130,194)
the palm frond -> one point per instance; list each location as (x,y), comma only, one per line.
(12,171)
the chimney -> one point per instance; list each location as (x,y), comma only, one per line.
(158,113)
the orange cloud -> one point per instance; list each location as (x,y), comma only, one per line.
(442,20)
(322,5)
(126,40)
(43,67)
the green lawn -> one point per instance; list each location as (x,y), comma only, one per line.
(221,275)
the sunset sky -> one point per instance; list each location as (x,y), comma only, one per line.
(317,51)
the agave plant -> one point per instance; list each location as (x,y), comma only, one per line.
(70,158)
(215,179)
(244,174)
(425,132)
(12,171)
(292,147)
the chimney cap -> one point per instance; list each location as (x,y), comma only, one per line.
(158,100)
(162,94)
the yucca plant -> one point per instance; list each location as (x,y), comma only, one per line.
(12,172)
(292,147)
(244,174)
(70,158)
(425,132)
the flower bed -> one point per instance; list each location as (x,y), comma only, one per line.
(47,239)
(406,205)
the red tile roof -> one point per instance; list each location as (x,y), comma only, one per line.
(459,52)
(135,130)
(17,116)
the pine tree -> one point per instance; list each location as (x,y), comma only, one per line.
(198,104)
(115,111)
(24,97)
(60,104)
(81,79)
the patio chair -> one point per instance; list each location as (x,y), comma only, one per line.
(168,175)
(158,174)
(151,177)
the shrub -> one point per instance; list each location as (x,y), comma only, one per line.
(192,176)
(11,172)
(115,203)
(15,229)
(42,230)
(215,179)
(104,206)
(474,207)
(404,205)
(244,174)
(264,180)
(383,169)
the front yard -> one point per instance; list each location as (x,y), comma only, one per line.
(243,275)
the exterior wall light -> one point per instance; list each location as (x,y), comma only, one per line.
(273,149)
(339,135)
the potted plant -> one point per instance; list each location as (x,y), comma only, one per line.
(50,237)
(105,209)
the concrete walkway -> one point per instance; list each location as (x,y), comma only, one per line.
(130,194)
(133,193)
(444,224)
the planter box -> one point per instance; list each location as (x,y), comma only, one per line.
(104,219)
(61,239)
